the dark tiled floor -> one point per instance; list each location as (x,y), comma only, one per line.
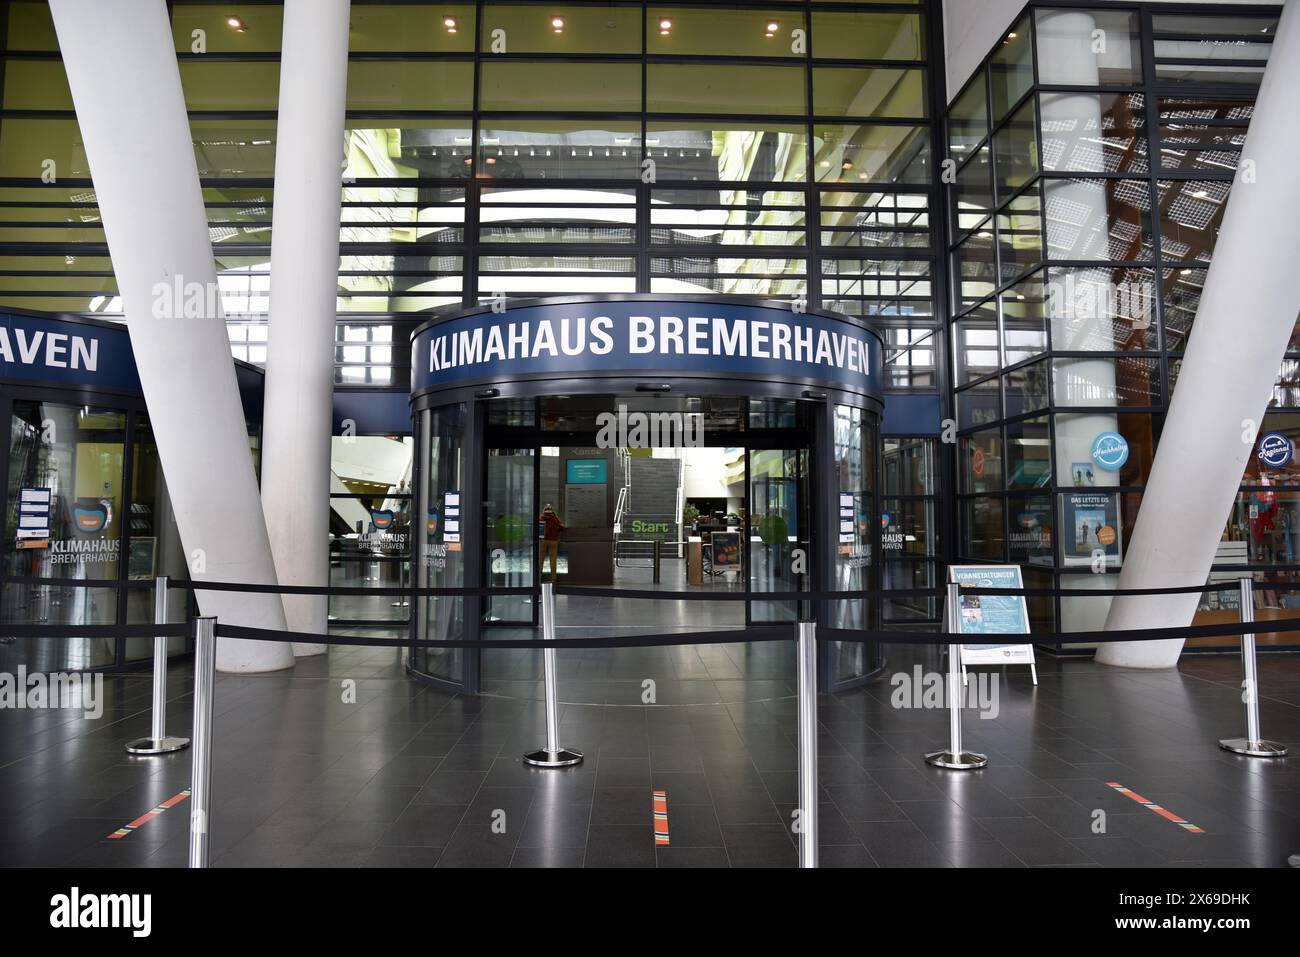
(412,777)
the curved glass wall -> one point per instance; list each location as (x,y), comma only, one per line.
(701,493)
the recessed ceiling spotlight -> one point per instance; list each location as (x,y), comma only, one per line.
(557,24)
(450,24)
(235,23)
(772,27)
(665,25)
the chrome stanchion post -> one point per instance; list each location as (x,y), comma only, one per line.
(954,757)
(808,787)
(205,655)
(158,742)
(1252,744)
(551,756)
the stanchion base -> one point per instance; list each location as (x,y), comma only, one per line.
(157,746)
(1254,749)
(563,758)
(964,761)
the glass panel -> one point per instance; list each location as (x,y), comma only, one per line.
(728,152)
(1026,388)
(1011,69)
(559,149)
(560,29)
(1098,219)
(871,154)
(1191,214)
(839,91)
(409,84)
(511,529)
(1182,297)
(1020,235)
(411,28)
(976,343)
(972,194)
(442,504)
(981,461)
(1094,133)
(1102,309)
(867,36)
(1257,473)
(723,88)
(1029,455)
(877,287)
(70,459)
(557,216)
(968,118)
(1088,47)
(31,26)
(979,405)
(1075,434)
(1106,382)
(36,85)
(153,544)
(778,525)
(982,529)
(226,28)
(855,443)
(727,217)
(559,86)
(1030,525)
(974,268)
(230,84)
(1015,152)
(862,219)
(714,31)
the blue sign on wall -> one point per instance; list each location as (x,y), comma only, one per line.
(586,472)
(1276,450)
(648,336)
(48,349)
(1110,451)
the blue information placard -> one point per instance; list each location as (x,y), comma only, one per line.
(586,472)
(992,615)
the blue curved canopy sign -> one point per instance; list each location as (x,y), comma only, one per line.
(62,351)
(634,337)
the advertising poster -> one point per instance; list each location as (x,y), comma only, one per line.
(988,615)
(726,551)
(1089,526)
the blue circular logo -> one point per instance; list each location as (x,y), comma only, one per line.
(1276,450)
(1110,451)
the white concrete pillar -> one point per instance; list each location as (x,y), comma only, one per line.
(126,88)
(1247,313)
(309,151)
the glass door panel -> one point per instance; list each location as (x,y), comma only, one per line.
(511,533)
(778,522)
(856,533)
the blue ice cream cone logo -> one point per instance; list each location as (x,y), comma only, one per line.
(382,519)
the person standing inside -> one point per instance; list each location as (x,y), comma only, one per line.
(551,529)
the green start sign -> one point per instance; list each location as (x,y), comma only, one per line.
(640,527)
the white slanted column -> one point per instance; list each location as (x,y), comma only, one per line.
(304,295)
(126,87)
(1247,313)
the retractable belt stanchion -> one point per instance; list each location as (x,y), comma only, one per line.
(808,789)
(551,756)
(1252,744)
(954,757)
(205,658)
(158,742)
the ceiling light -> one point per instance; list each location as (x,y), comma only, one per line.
(235,23)
(772,26)
(449,23)
(1011,36)
(557,24)
(1200,194)
(665,25)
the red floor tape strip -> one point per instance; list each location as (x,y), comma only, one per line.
(661,818)
(149,816)
(1152,806)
